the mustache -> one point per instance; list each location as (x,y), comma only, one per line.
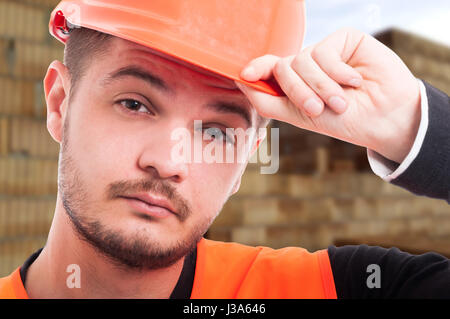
(156,187)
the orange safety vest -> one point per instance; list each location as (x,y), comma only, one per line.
(232,270)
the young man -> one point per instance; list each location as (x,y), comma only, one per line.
(129,220)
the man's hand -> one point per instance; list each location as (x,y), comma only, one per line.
(348,86)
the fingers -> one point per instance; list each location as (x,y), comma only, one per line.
(300,94)
(291,73)
(313,78)
(326,88)
(278,108)
(337,70)
(303,97)
(268,106)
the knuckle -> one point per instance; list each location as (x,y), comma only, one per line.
(279,67)
(318,52)
(325,90)
(300,59)
(321,86)
(298,95)
(292,91)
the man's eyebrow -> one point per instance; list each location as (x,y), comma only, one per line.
(140,73)
(231,107)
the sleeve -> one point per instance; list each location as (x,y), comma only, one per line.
(401,275)
(426,169)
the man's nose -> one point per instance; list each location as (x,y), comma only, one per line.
(156,158)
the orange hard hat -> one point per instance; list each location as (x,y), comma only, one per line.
(221,36)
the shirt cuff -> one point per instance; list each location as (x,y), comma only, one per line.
(389,170)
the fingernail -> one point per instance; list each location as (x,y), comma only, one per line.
(337,103)
(355,82)
(248,72)
(312,106)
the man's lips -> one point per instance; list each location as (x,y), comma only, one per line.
(151,203)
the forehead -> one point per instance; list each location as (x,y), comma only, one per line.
(172,79)
(127,51)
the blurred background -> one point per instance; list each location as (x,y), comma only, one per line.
(324,192)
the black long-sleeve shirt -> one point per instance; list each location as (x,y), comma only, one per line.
(404,275)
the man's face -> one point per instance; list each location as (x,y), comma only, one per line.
(117,143)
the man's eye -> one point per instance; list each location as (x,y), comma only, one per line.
(219,134)
(134,106)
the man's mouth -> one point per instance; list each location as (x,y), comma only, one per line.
(153,206)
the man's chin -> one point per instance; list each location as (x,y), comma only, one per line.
(144,249)
(139,254)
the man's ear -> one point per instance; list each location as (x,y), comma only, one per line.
(57,90)
(237,185)
(259,139)
(260,136)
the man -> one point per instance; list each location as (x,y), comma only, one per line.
(129,219)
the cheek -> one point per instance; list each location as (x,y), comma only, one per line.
(212,184)
(98,148)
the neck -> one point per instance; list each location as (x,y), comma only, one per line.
(51,277)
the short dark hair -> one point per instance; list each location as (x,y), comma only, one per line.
(84,46)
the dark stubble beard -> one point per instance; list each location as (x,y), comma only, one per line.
(137,252)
